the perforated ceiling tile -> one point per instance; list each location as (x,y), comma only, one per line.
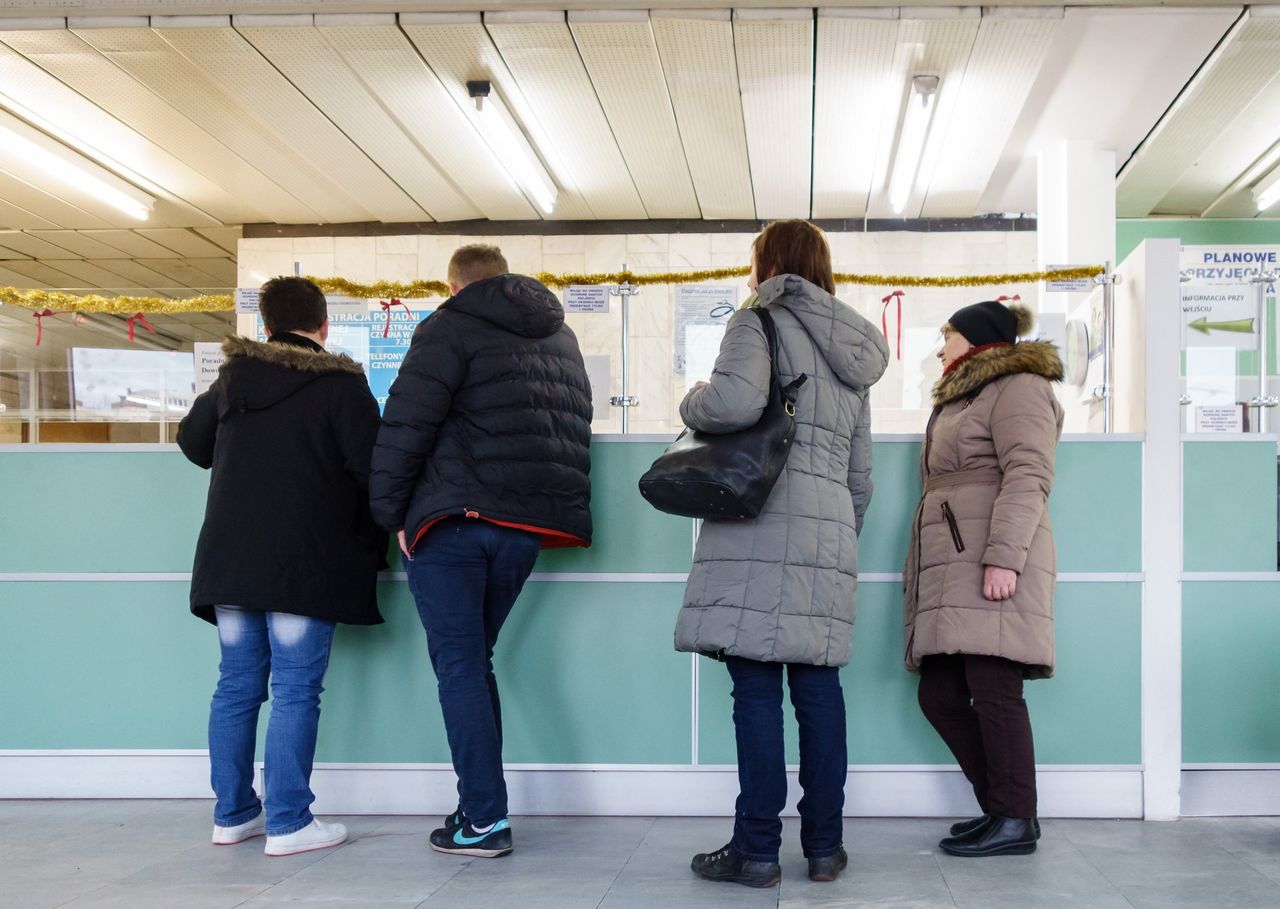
(622,60)
(80,67)
(78,244)
(702,77)
(775,71)
(226,237)
(546,64)
(1240,68)
(33,246)
(18,187)
(290,118)
(854,54)
(457,48)
(1007,56)
(392,70)
(185,243)
(938,45)
(320,72)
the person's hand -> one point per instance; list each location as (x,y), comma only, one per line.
(999,583)
(404,546)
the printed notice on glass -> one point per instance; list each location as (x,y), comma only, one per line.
(1067,285)
(586,298)
(247,301)
(1220,419)
(208,360)
(700,306)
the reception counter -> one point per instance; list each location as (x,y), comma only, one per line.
(107,677)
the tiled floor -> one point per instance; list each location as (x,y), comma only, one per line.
(156,853)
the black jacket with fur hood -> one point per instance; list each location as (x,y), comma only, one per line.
(287,429)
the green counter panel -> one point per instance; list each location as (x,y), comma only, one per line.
(1230,672)
(1229,506)
(1088,714)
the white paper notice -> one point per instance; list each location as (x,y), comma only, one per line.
(1219,419)
(208,359)
(1211,376)
(1067,285)
(586,298)
(701,346)
(247,301)
(598,375)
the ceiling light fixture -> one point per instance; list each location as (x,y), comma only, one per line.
(1267,192)
(510,148)
(922,100)
(23,143)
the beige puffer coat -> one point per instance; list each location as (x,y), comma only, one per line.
(987,468)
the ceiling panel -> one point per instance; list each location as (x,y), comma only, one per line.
(87,274)
(854,52)
(231,62)
(226,237)
(78,243)
(702,77)
(82,68)
(775,73)
(540,52)
(392,70)
(14,217)
(1239,69)
(132,243)
(18,187)
(46,274)
(621,57)
(183,273)
(304,57)
(1006,58)
(935,42)
(185,243)
(139,275)
(458,49)
(33,246)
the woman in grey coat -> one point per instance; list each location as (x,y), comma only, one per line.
(777,592)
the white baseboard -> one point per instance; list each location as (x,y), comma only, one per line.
(612,790)
(1231,792)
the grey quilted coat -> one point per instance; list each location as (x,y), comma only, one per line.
(780,588)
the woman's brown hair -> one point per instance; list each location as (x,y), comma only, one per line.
(794,247)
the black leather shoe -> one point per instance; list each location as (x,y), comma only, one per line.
(828,867)
(963,828)
(727,864)
(1001,836)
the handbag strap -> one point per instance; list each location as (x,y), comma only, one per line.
(775,384)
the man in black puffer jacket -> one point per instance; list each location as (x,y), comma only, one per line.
(482,460)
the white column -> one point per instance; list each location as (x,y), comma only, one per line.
(1161,534)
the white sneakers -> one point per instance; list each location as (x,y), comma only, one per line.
(229,836)
(318,835)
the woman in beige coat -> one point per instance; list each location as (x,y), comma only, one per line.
(981,569)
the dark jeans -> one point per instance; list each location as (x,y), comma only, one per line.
(975,703)
(762,767)
(465,575)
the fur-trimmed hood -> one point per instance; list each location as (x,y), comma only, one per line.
(257,376)
(1036,357)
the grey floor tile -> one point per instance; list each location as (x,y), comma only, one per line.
(167,896)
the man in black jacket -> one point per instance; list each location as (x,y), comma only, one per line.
(482,460)
(287,549)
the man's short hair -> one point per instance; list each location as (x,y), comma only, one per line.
(475,262)
(292,304)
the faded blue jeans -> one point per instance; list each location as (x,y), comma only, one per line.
(291,651)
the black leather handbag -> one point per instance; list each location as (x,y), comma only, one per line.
(728,476)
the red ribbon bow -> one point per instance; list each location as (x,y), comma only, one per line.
(884,318)
(138,317)
(40,317)
(386,307)
(1014,299)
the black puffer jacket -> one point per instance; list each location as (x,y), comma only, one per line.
(288,430)
(490,417)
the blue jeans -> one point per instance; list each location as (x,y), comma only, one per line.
(293,652)
(465,575)
(762,767)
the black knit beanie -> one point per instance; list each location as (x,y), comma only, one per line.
(986,323)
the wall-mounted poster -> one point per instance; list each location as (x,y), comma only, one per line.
(702,313)
(390,332)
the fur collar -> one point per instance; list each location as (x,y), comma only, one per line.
(1040,358)
(290,356)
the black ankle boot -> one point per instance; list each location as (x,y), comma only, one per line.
(828,867)
(728,864)
(1000,836)
(964,828)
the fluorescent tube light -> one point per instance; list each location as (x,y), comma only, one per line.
(512,151)
(1267,192)
(921,103)
(22,143)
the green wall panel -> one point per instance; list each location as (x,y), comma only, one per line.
(1229,506)
(630,535)
(1230,672)
(1096,506)
(1193,232)
(886,531)
(1089,713)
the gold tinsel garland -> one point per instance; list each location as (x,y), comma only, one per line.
(417,290)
